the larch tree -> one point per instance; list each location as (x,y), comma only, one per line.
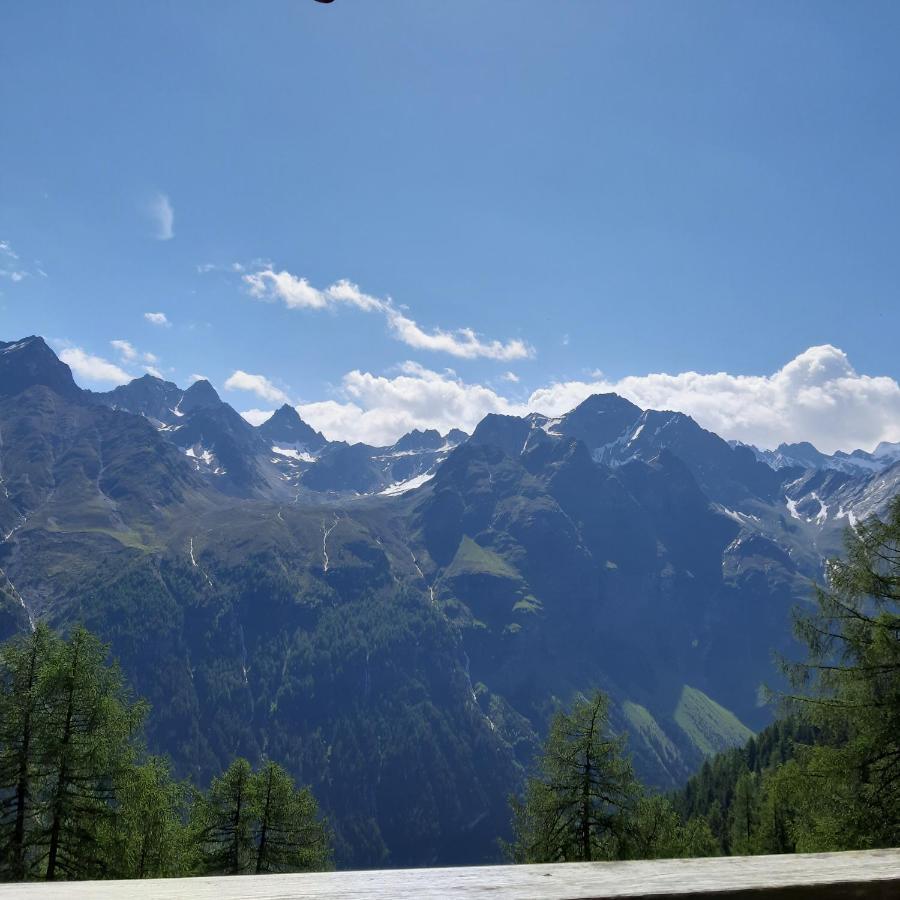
(223,821)
(849,686)
(289,835)
(146,835)
(86,736)
(577,804)
(23,702)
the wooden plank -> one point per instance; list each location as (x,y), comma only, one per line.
(866,874)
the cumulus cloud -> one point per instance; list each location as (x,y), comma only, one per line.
(161,213)
(94,369)
(377,409)
(257,384)
(818,396)
(157,318)
(297,293)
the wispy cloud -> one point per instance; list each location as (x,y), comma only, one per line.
(257,384)
(157,318)
(9,264)
(162,215)
(128,353)
(296,292)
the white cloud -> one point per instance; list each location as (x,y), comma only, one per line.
(377,410)
(125,350)
(818,397)
(128,353)
(510,377)
(152,370)
(162,215)
(257,416)
(463,342)
(195,377)
(258,384)
(10,258)
(93,368)
(297,293)
(157,318)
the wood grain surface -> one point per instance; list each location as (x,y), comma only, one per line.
(867,874)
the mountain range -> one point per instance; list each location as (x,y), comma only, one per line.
(397,625)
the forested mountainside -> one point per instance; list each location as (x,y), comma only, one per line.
(397,625)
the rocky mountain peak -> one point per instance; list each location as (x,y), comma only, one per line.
(29,362)
(430,439)
(200,395)
(286,427)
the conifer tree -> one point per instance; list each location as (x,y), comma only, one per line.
(653,831)
(146,836)
(79,797)
(744,815)
(86,732)
(22,706)
(223,820)
(698,838)
(576,806)
(289,836)
(849,686)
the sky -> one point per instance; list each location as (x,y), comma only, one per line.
(409,213)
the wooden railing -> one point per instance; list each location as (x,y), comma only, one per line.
(825,876)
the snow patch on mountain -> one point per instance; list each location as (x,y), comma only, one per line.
(294,451)
(410,484)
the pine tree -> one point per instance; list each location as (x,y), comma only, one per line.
(849,687)
(85,733)
(777,810)
(575,808)
(79,797)
(744,815)
(698,839)
(146,835)
(289,835)
(653,831)
(223,820)
(22,705)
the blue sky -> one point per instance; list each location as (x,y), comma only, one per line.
(586,187)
